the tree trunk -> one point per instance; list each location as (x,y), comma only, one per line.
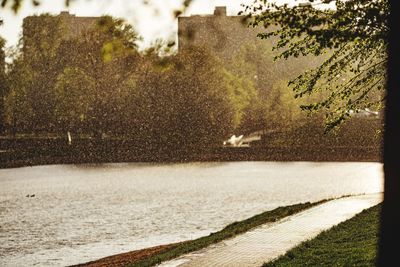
(388,254)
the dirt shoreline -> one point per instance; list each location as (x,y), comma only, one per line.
(126,258)
(82,155)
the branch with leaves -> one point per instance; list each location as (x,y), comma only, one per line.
(353,35)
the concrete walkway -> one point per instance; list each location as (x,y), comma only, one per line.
(271,240)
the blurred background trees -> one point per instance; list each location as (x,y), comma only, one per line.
(99,85)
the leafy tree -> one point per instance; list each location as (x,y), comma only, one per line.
(257,60)
(108,54)
(272,104)
(19,112)
(353,35)
(281,109)
(42,37)
(242,95)
(208,106)
(73,95)
(183,102)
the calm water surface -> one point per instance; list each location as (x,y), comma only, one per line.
(84,212)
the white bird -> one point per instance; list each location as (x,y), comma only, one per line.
(235,141)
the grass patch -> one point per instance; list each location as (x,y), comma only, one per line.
(351,243)
(228,232)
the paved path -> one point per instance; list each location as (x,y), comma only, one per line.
(271,240)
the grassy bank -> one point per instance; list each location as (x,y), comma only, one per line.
(153,256)
(351,243)
(228,232)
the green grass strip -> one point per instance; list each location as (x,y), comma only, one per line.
(228,232)
(350,243)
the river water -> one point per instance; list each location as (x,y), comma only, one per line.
(84,212)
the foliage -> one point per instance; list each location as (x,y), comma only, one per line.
(183,101)
(73,95)
(272,105)
(97,83)
(18,108)
(57,65)
(107,53)
(242,94)
(39,55)
(354,37)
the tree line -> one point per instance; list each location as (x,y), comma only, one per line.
(99,84)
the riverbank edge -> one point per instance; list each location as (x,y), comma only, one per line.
(79,155)
(155,255)
(341,245)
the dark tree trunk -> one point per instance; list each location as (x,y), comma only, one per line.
(390,219)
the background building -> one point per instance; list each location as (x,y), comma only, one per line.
(220,33)
(72,25)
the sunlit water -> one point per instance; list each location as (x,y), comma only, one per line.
(84,212)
